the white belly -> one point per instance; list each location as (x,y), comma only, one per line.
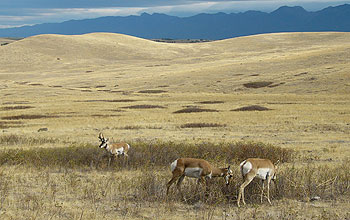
(263,173)
(193,172)
(120,151)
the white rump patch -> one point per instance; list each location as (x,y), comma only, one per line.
(173,165)
(120,151)
(194,172)
(262,173)
(246,167)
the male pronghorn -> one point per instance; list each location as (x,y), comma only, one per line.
(263,169)
(115,149)
(195,168)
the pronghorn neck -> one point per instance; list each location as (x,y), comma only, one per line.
(108,146)
(218,172)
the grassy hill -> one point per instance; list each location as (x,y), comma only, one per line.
(290,90)
(292,62)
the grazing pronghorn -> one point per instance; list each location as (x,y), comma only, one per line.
(195,168)
(115,149)
(263,169)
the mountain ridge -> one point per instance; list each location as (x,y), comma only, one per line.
(201,26)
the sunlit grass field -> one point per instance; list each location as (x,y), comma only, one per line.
(278,96)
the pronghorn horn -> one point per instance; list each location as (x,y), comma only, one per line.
(100,136)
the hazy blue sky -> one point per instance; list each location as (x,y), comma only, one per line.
(28,12)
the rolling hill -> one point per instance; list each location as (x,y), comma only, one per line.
(292,62)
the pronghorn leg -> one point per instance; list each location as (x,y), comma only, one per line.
(109,161)
(173,179)
(125,159)
(247,180)
(268,190)
(200,181)
(262,191)
(179,184)
(200,184)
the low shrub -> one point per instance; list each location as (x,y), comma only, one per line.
(143,106)
(17,107)
(256,85)
(194,110)
(252,108)
(202,125)
(211,102)
(154,91)
(12,139)
(27,117)
(141,154)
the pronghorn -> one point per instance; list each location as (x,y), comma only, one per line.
(195,168)
(115,149)
(263,169)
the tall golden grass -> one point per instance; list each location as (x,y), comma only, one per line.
(79,172)
(142,153)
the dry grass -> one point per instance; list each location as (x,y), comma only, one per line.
(78,175)
(309,98)
(143,153)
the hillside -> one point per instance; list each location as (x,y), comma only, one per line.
(278,96)
(292,62)
(201,26)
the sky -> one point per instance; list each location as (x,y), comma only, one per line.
(15,13)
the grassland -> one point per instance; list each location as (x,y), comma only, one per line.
(289,91)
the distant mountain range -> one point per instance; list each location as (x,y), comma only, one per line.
(201,26)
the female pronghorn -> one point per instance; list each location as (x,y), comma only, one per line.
(115,149)
(195,168)
(260,168)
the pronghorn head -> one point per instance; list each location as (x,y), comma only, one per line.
(104,141)
(276,165)
(228,174)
